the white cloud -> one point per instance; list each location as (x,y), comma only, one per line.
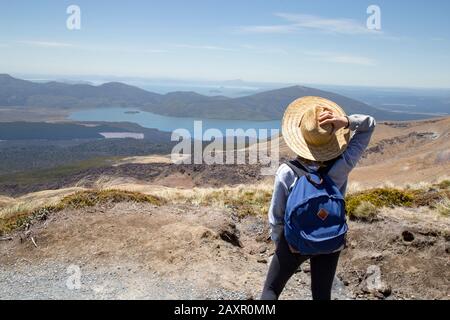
(46,44)
(297,22)
(345,59)
(204,47)
(267,29)
(154,51)
(131,50)
(341,58)
(343,26)
(268,50)
(52,44)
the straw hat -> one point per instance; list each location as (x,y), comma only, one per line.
(305,137)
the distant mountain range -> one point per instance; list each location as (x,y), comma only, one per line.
(268,105)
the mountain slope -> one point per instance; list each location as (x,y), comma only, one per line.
(401,153)
(275,101)
(16,92)
(268,105)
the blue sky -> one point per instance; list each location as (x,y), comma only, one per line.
(294,41)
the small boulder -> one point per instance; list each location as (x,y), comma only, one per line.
(306,267)
(231,234)
(262,260)
(262,249)
(373,284)
(376,257)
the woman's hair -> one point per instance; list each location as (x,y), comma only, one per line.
(309,162)
(315,163)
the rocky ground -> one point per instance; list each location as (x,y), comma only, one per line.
(134,251)
(163,174)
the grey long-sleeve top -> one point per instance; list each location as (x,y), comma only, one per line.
(363,127)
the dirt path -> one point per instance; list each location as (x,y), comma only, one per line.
(138,251)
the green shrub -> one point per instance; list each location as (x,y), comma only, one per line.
(365,211)
(380,197)
(91,198)
(443,184)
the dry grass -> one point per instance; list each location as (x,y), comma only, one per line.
(144,160)
(21,214)
(244,200)
(34,201)
(442,184)
(16,209)
(443,207)
(5,201)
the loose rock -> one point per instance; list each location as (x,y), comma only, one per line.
(373,284)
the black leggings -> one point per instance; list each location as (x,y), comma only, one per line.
(285,263)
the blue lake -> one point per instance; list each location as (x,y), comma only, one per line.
(169,124)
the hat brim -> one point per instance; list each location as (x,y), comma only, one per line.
(293,136)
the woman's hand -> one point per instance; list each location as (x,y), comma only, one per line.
(328,117)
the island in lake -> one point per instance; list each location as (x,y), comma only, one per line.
(132,112)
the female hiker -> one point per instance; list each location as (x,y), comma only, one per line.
(307,212)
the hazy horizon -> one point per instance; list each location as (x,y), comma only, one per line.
(97,79)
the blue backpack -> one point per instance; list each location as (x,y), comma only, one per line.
(315,219)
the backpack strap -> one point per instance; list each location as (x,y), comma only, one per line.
(300,170)
(297,167)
